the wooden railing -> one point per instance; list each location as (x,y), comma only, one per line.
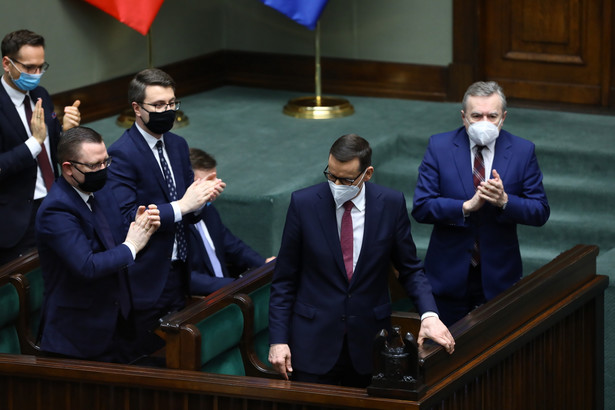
(540,345)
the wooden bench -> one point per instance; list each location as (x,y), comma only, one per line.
(192,334)
(26,277)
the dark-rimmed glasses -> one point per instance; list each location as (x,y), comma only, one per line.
(162,107)
(31,68)
(343,181)
(93,167)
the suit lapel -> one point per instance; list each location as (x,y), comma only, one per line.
(151,161)
(503,154)
(325,209)
(8,108)
(374,209)
(461,157)
(198,239)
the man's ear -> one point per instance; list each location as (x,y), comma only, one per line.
(67,169)
(368,173)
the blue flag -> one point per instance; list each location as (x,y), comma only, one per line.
(304,12)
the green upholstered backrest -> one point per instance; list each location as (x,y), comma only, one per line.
(260,299)
(9,312)
(35,278)
(220,336)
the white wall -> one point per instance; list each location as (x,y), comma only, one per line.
(86,46)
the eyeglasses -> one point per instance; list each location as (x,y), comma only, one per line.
(93,167)
(31,68)
(343,181)
(161,106)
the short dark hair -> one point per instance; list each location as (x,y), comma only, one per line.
(201,159)
(69,146)
(484,89)
(144,78)
(350,146)
(13,42)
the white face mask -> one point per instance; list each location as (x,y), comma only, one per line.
(343,193)
(483,132)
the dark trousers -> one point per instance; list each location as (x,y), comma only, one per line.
(342,373)
(173,298)
(27,241)
(452,309)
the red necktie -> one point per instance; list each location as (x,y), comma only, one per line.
(42,158)
(478,173)
(346,238)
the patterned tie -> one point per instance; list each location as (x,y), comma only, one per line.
(180,235)
(346,238)
(107,238)
(213,258)
(42,158)
(478,173)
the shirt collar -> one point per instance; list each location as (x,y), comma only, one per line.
(490,147)
(15,96)
(149,139)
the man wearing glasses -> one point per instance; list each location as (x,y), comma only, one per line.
(152,165)
(329,293)
(86,255)
(29,132)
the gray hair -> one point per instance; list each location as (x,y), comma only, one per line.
(484,89)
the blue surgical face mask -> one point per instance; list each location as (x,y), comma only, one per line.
(26,81)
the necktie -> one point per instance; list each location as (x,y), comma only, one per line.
(213,258)
(180,235)
(42,158)
(346,238)
(107,238)
(478,173)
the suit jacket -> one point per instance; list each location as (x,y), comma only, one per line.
(80,272)
(313,305)
(445,182)
(229,249)
(17,167)
(136,179)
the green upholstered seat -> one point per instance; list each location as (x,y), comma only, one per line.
(9,312)
(260,299)
(35,279)
(220,336)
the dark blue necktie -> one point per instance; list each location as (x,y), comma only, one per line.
(180,236)
(104,230)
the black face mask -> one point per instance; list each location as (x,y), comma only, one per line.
(93,181)
(161,122)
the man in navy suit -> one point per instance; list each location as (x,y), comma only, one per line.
(26,146)
(211,244)
(475,185)
(330,294)
(153,166)
(86,254)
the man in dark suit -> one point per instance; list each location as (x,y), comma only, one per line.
(153,166)
(329,294)
(27,146)
(473,253)
(85,253)
(212,246)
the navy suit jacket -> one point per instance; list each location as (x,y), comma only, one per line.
(136,179)
(229,249)
(313,305)
(17,167)
(445,182)
(80,272)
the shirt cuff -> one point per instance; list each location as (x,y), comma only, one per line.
(133,251)
(429,314)
(176,211)
(34,146)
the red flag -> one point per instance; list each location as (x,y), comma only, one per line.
(136,14)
